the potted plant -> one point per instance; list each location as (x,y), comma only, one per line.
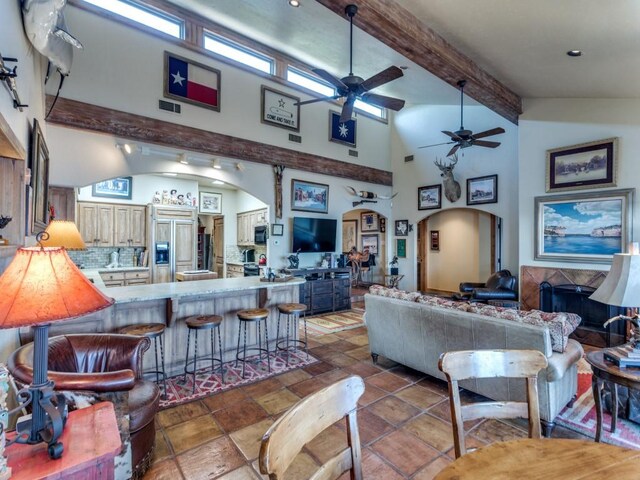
(394,265)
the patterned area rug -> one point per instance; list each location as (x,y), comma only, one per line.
(208,383)
(582,417)
(336,322)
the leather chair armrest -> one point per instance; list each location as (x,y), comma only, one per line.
(96,382)
(559,363)
(467,287)
(497,294)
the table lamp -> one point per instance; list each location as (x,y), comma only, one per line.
(40,286)
(622,289)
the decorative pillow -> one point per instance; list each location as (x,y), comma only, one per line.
(393,293)
(560,325)
(442,302)
(483,309)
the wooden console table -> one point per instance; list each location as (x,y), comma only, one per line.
(91,441)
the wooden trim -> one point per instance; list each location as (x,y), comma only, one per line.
(394,26)
(10,146)
(85,116)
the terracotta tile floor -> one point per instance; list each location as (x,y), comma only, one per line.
(404,422)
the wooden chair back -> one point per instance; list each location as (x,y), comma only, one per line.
(305,420)
(470,364)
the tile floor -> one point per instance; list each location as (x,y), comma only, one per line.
(404,421)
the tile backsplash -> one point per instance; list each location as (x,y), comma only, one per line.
(234,252)
(100,257)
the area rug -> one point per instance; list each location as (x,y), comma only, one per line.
(336,322)
(581,418)
(207,383)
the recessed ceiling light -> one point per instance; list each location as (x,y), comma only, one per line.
(218,182)
(294,3)
(574,53)
(404,67)
(170,174)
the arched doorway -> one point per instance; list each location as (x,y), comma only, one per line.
(366,229)
(456,245)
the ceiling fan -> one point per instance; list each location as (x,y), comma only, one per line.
(466,138)
(353,87)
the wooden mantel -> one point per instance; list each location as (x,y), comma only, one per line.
(85,116)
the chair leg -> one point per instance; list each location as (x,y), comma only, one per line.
(164,372)
(275,350)
(186,360)
(238,347)
(288,337)
(306,342)
(195,363)
(244,350)
(221,360)
(266,340)
(547,428)
(213,353)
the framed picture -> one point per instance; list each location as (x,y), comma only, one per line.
(383,224)
(279,109)
(435,240)
(430,197)
(401,247)
(210,202)
(119,187)
(277,229)
(587,165)
(39,180)
(349,235)
(402,228)
(370,242)
(369,222)
(309,196)
(191,82)
(588,227)
(482,190)
(342,132)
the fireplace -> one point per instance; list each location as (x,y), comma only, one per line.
(575,299)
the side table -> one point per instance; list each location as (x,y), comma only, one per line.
(609,372)
(91,441)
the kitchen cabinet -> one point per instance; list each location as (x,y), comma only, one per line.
(121,279)
(109,225)
(326,289)
(234,271)
(247,222)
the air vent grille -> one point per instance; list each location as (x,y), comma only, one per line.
(408,158)
(295,138)
(169,106)
(353,153)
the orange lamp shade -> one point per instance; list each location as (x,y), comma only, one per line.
(63,233)
(43,285)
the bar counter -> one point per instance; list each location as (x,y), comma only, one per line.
(172,303)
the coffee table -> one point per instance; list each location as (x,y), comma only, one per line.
(605,371)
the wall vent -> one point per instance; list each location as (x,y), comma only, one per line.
(169,106)
(295,138)
(353,153)
(408,158)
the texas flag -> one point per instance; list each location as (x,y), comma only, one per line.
(192,82)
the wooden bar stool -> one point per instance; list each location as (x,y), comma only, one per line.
(197,323)
(155,332)
(291,341)
(256,315)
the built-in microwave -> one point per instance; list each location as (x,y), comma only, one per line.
(260,234)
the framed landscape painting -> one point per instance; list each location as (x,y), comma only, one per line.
(309,196)
(588,227)
(482,190)
(210,202)
(430,197)
(587,165)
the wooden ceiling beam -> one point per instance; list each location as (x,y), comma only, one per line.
(399,29)
(85,116)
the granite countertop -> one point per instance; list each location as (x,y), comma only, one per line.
(158,291)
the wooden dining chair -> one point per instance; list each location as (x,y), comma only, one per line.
(470,364)
(305,420)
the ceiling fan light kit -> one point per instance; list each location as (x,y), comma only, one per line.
(463,138)
(353,87)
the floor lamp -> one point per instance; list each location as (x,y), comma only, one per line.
(41,286)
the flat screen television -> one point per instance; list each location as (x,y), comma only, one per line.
(314,234)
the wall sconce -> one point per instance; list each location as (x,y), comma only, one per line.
(128,149)
(182,158)
(216,164)
(294,3)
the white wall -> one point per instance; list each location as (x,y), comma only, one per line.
(551,123)
(421,125)
(143,188)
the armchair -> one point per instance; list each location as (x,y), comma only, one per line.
(499,286)
(102,363)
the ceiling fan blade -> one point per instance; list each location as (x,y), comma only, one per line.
(347,108)
(314,100)
(453,150)
(484,143)
(333,80)
(488,133)
(380,78)
(436,144)
(383,101)
(452,135)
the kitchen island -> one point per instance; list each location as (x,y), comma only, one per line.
(172,303)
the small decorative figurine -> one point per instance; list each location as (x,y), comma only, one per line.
(166,199)
(294,261)
(180,199)
(157,198)
(174,197)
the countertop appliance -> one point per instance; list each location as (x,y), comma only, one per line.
(248,255)
(262,260)
(260,234)
(251,270)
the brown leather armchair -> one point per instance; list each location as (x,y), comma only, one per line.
(102,363)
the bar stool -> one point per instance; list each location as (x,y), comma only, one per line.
(292,311)
(195,324)
(256,315)
(155,332)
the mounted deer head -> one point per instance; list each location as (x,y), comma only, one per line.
(452,188)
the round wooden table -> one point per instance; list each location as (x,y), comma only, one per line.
(548,459)
(607,371)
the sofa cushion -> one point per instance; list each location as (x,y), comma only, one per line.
(393,293)
(559,364)
(443,302)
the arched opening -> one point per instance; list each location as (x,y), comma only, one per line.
(365,230)
(457,245)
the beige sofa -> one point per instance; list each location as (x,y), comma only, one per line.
(416,334)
